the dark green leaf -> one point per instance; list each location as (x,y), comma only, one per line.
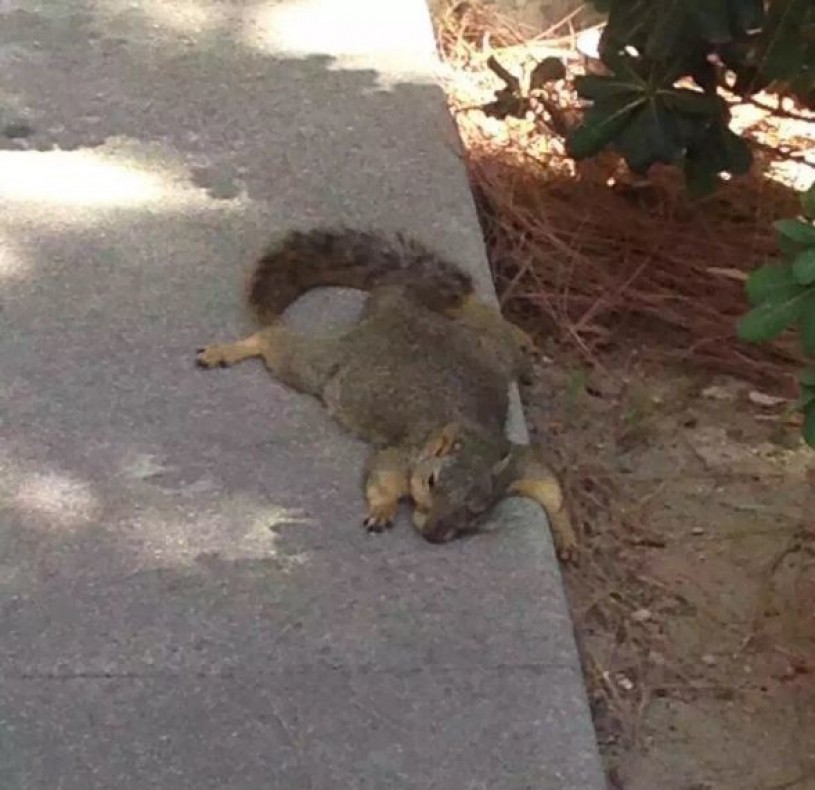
(712,19)
(808,202)
(652,135)
(796,230)
(600,126)
(700,179)
(803,267)
(770,283)
(628,68)
(706,76)
(653,28)
(651,121)
(668,30)
(548,70)
(785,49)
(768,320)
(807,399)
(715,150)
(807,378)
(809,425)
(748,79)
(802,86)
(593,86)
(749,16)
(692,102)
(807,325)
(738,156)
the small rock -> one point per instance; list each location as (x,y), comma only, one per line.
(709,659)
(625,683)
(762,399)
(787,673)
(656,658)
(730,273)
(718,450)
(641,615)
(697,531)
(719,392)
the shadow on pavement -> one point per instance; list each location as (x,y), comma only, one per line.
(188,599)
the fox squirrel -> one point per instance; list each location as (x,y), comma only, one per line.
(423,376)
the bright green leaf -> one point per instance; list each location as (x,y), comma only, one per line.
(770,283)
(808,202)
(768,320)
(789,247)
(803,267)
(796,230)
(809,426)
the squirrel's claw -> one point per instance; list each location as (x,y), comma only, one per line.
(379,519)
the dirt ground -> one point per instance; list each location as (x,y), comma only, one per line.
(693,598)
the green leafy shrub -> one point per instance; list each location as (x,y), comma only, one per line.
(782,295)
(660,101)
(667,65)
(666,61)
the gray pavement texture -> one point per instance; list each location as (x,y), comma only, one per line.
(187,599)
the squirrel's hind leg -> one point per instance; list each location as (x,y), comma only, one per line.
(303,362)
(224,355)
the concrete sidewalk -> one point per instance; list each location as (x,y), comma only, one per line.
(187,598)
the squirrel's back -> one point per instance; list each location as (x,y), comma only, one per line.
(303,260)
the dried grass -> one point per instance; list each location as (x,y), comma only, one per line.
(600,265)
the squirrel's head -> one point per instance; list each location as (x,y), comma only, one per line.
(457,477)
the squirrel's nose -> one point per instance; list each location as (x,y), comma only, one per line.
(442,531)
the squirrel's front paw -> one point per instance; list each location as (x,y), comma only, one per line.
(379,518)
(213,357)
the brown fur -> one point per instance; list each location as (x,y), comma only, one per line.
(423,377)
(302,260)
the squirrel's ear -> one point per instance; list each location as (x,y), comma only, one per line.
(443,442)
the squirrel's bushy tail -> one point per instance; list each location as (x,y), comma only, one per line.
(302,260)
